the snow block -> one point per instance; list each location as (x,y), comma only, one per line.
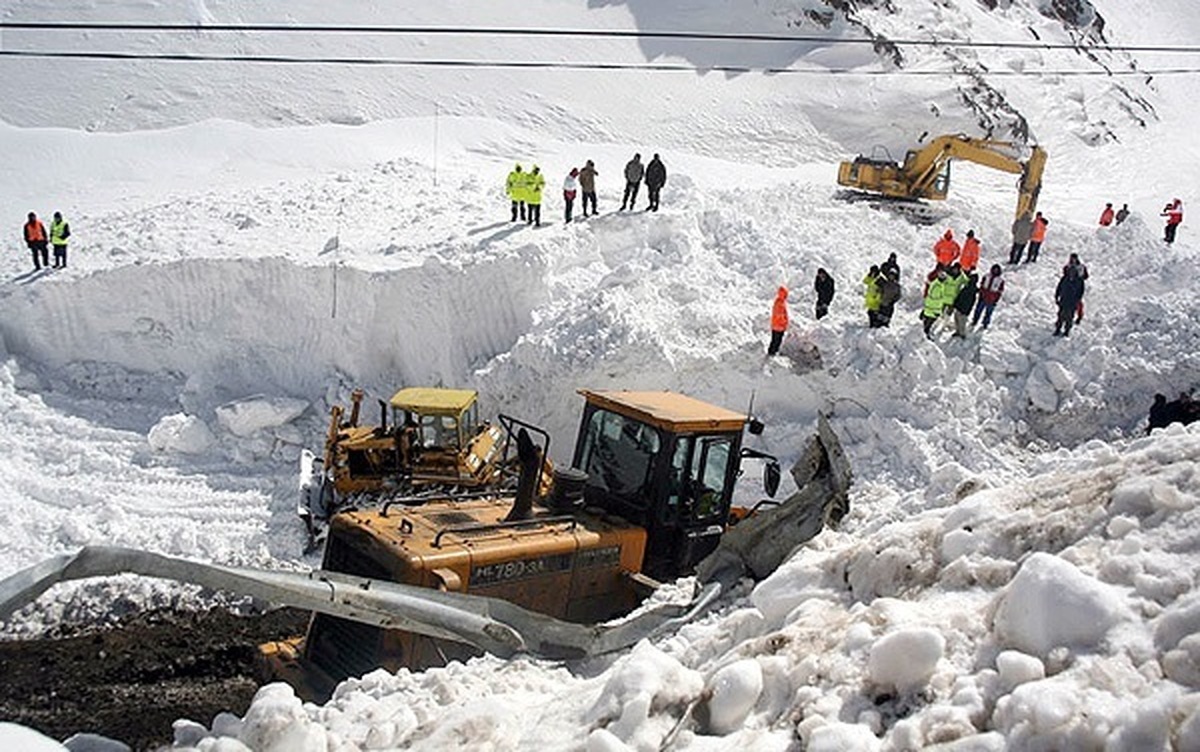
(906,658)
(181,433)
(247,416)
(734,690)
(1051,603)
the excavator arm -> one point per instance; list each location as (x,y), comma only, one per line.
(924,172)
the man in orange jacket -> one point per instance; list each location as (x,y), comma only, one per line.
(1037,236)
(970,253)
(38,241)
(779,320)
(946,250)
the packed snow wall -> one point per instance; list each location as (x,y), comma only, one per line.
(232,328)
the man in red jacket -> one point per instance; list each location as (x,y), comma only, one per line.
(991,288)
(1174,214)
(38,241)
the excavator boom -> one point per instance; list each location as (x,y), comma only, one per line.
(925,173)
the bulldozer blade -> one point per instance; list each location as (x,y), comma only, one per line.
(762,541)
(490,624)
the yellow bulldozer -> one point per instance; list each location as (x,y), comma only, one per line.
(435,443)
(649,497)
(925,172)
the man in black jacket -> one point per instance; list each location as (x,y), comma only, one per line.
(656,178)
(1067,295)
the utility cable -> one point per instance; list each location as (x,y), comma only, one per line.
(559,65)
(199,28)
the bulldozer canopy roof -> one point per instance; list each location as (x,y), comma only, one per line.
(671,411)
(429,400)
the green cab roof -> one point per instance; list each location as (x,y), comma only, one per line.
(428,400)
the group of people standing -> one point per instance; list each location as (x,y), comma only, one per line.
(1028,231)
(39,241)
(1173,211)
(524,189)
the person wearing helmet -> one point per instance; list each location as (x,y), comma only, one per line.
(990,290)
(1037,236)
(515,187)
(59,232)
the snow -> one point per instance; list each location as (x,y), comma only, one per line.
(1017,569)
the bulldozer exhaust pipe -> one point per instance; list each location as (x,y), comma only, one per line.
(530,460)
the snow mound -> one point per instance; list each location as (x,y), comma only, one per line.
(1050,603)
(181,433)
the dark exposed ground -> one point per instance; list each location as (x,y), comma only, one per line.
(131,682)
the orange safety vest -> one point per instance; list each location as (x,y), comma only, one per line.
(1039,230)
(34,231)
(946,251)
(779,314)
(970,254)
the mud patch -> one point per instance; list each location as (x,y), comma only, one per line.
(132,681)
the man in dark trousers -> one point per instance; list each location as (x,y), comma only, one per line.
(59,232)
(1067,295)
(656,178)
(36,239)
(633,179)
(824,286)
(587,186)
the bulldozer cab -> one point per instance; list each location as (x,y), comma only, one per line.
(443,418)
(665,462)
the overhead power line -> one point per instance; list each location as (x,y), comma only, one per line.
(582,33)
(561,65)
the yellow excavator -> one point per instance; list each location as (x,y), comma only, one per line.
(648,498)
(925,173)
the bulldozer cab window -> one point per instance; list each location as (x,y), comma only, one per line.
(710,476)
(698,477)
(941,183)
(618,456)
(439,431)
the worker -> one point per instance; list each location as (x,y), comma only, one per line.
(656,178)
(824,287)
(946,250)
(990,290)
(633,179)
(1067,295)
(970,252)
(515,188)
(1122,213)
(964,302)
(35,239)
(1021,230)
(570,188)
(59,232)
(1037,236)
(534,184)
(587,185)
(779,320)
(890,265)
(1082,272)
(1106,216)
(1174,214)
(940,294)
(871,297)
(889,294)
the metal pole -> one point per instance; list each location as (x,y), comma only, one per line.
(337,255)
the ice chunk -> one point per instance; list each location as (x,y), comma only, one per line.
(246,416)
(1051,603)
(905,659)
(180,433)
